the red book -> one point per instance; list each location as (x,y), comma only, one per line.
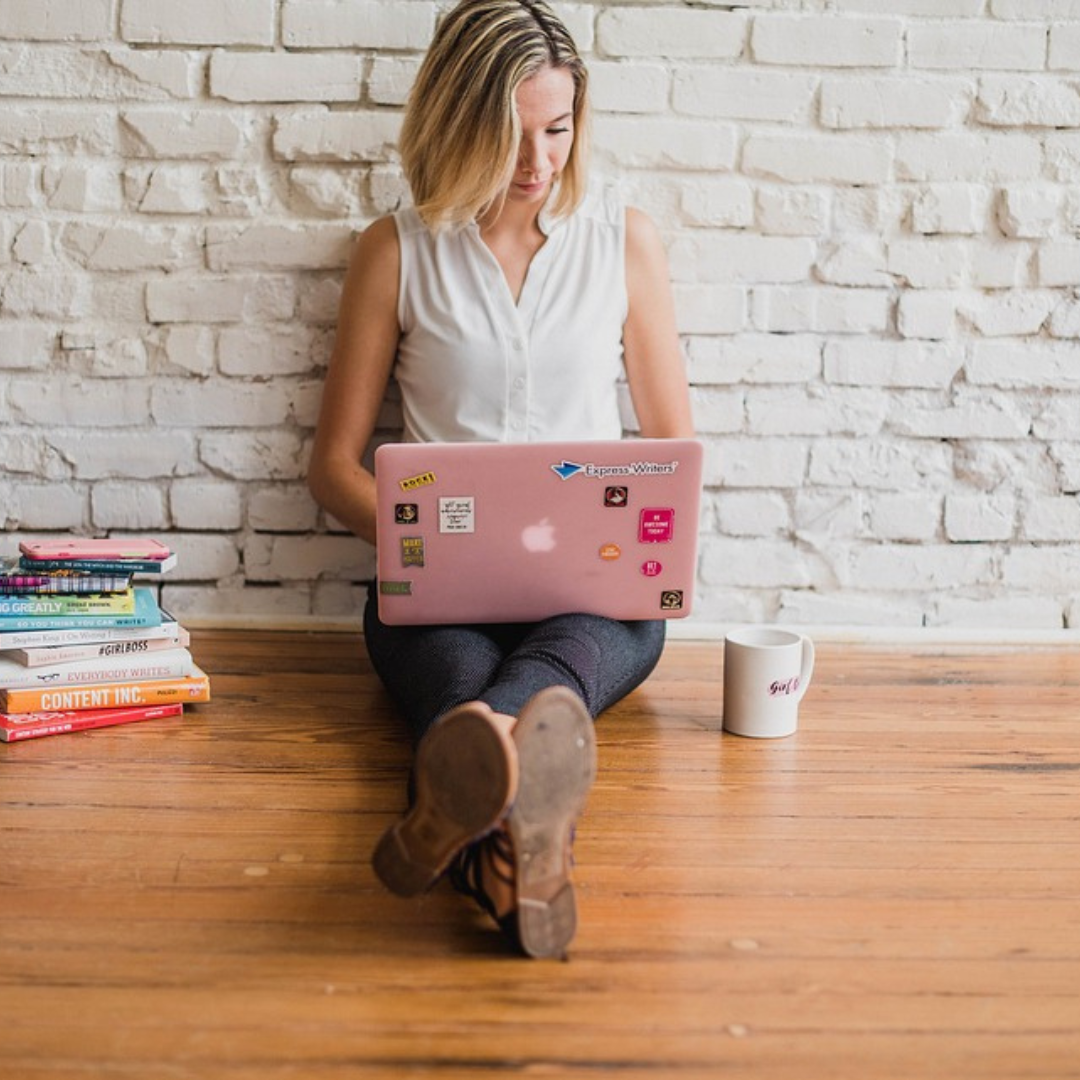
(17,726)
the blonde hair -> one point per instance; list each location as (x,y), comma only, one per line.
(461,133)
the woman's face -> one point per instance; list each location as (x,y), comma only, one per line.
(545,107)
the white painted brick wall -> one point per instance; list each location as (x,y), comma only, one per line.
(365,24)
(225,22)
(871,211)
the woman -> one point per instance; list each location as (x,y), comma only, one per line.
(507,303)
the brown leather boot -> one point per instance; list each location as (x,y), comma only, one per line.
(466,777)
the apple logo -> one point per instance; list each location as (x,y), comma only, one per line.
(539,539)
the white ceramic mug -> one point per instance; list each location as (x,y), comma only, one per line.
(766,673)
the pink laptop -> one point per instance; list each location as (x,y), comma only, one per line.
(516,532)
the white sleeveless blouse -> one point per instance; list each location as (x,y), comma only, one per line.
(474,366)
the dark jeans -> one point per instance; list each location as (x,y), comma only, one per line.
(428,670)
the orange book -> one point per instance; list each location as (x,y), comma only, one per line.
(188,689)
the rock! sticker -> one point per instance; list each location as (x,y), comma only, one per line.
(656,525)
(411,483)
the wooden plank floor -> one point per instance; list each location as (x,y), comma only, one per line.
(892,892)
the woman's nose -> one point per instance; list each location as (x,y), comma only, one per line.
(528,157)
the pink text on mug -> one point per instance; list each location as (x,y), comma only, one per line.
(785,687)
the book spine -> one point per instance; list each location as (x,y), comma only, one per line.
(100,566)
(194,688)
(69,604)
(64,584)
(85,622)
(74,547)
(47,655)
(17,727)
(106,669)
(147,613)
(65,635)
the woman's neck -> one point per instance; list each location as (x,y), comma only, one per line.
(512,223)
(513,236)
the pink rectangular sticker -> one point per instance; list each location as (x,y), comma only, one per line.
(657,525)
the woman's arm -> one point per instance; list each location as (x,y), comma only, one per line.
(653,360)
(363,357)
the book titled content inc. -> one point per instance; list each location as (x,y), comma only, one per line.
(185,689)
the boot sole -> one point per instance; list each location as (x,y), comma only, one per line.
(556,746)
(466,778)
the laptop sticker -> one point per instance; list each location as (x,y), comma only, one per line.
(406,513)
(616,496)
(412,551)
(657,525)
(395,588)
(651,568)
(610,552)
(411,483)
(566,469)
(671,600)
(457,514)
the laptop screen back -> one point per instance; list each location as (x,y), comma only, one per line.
(517,532)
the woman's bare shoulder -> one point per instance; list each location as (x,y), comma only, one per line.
(642,234)
(378,238)
(374,260)
(646,254)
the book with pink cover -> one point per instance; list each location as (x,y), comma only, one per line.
(77,547)
(517,532)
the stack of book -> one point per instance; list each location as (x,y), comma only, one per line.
(84,642)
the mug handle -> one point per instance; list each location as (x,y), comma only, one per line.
(807,666)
